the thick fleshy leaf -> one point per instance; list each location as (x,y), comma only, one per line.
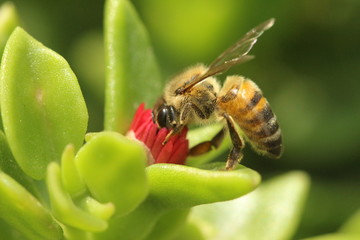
(132,74)
(8,22)
(71,233)
(70,177)
(271,212)
(174,188)
(101,210)
(113,168)
(25,213)
(63,207)
(191,231)
(42,107)
(135,225)
(178,186)
(9,166)
(169,225)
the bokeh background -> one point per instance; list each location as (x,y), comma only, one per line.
(308,66)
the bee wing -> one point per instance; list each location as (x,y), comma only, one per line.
(234,55)
(237,53)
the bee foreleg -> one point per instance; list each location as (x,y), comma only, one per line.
(205,147)
(172,132)
(235,155)
(179,123)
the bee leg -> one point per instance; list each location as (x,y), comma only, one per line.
(205,147)
(235,155)
(167,138)
(179,126)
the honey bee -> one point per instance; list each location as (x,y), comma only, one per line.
(196,97)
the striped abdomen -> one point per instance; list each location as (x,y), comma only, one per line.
(244,102)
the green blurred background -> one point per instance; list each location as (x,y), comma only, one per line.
(307,66)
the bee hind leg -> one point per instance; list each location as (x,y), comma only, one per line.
(235,155)
(205,147)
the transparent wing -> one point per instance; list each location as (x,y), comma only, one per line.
(234,55)
(237,52)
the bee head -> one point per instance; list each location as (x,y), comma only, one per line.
(165,116)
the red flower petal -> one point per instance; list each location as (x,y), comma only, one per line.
(180,153)
(138,113)
(160,137)
(150,140)
(146,131)
(165,152)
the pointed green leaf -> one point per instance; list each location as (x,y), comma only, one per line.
(43,109)
(25,213)
(113,168)
(271,212)
(177,186)
(132,74)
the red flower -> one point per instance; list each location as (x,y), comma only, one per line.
(145,130)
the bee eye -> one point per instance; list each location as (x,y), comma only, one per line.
(166,116)
(161,118)
(171,114)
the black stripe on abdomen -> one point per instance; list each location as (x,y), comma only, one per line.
(264,132)
(254,101)
(271,145)
(262,116)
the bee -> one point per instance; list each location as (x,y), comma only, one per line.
(196,97)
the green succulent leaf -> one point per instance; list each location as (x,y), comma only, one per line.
(271,212)
(169,225)
(101,210)
(144,217)
(9,166)
(63,207)
(8,22)
(132,74)
(25,213)
(178,186)
(113,169)
(191,231)
(70,176)
(42,106)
